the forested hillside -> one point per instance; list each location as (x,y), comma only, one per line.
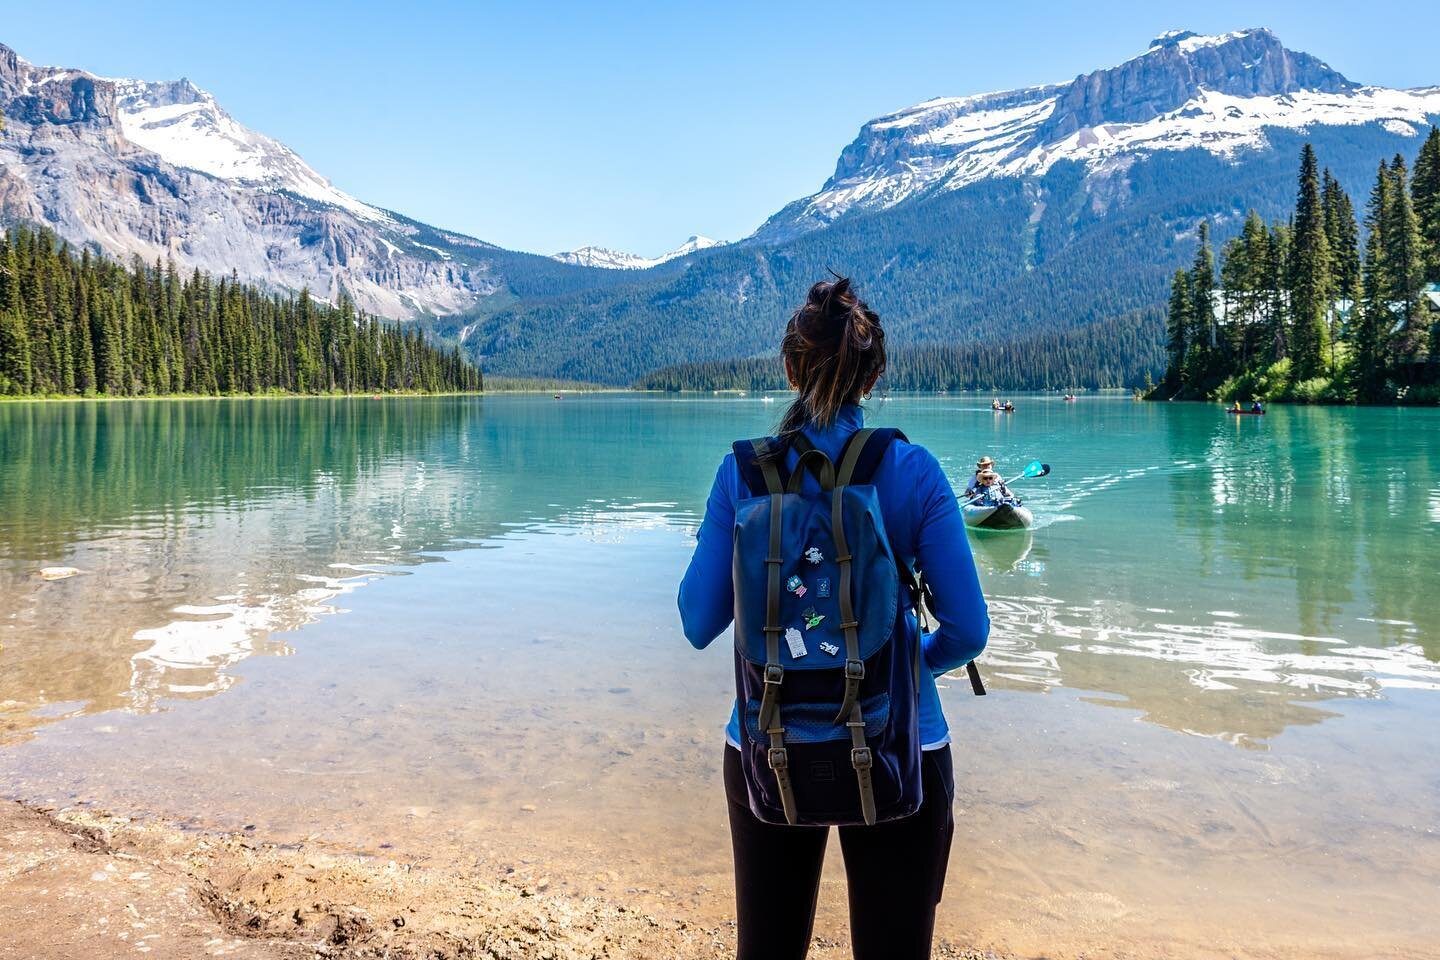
(1120,352)
(83,325)
(999,260)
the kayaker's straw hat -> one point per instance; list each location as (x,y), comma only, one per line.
(985,462)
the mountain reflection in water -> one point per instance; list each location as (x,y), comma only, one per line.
(1224,578)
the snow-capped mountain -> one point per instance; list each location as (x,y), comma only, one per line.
(160,170)
(186,127)
(1216,93)
(619,260)
(1002,217)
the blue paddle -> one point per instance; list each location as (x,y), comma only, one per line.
(1032,470)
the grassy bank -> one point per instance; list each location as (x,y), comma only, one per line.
(1276,384)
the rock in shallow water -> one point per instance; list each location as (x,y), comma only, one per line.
(57,573)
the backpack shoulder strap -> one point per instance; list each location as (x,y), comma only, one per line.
(858,463)
(758,474)
(863,453)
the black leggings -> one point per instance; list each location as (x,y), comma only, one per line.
(895,872)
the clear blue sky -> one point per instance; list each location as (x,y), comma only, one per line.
(547,125)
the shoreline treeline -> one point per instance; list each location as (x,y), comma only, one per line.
(1314,309)
(86,326)
(1120,352)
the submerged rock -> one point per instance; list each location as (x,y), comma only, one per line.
(57,573)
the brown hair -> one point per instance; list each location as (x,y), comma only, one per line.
(833,347)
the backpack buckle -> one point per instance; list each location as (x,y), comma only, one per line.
(779,759)
(774,673)
(854,669)
(861,758)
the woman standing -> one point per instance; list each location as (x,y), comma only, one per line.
(834,351)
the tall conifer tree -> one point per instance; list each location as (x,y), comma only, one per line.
(1311,284)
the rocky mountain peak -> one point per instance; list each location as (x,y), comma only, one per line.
(1177,67)
(161,170)
(1223,94)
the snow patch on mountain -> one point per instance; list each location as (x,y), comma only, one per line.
(1217,93)
(188,128)
(160,171)
(609,259)
(1188,41)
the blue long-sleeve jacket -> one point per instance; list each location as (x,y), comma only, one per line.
(922,519)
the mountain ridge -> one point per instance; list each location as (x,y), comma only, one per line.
(956,215)
(604,257)
(998,216)
(1217,93)
(159,170)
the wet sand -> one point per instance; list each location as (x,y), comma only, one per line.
(84,886)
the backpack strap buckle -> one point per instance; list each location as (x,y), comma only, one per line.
(779,760)
(861,758)
(854,673)
(770,696)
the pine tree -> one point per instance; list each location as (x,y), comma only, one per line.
(1402,267)
(14,354)
(1244,279)
(1311,284)
(9,278)
(1177,329)
(1203,355)
(1343,235)
(85,347)
(1425,191)
(1276,323)
(1373,317)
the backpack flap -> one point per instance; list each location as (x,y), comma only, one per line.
(809,603)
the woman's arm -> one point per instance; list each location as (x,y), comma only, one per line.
(706,600)
(942,552)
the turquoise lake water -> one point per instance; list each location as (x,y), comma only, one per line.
(446,627)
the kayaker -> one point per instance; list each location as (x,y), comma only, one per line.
(1237,408)
(1255,406)
(973,487)
(834,351)
(992,490)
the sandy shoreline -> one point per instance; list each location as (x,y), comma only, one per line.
(79,884)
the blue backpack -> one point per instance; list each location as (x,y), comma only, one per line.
(827,660)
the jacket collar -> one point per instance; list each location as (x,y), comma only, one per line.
(830,439)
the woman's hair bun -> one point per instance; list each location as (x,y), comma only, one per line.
(834,349)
